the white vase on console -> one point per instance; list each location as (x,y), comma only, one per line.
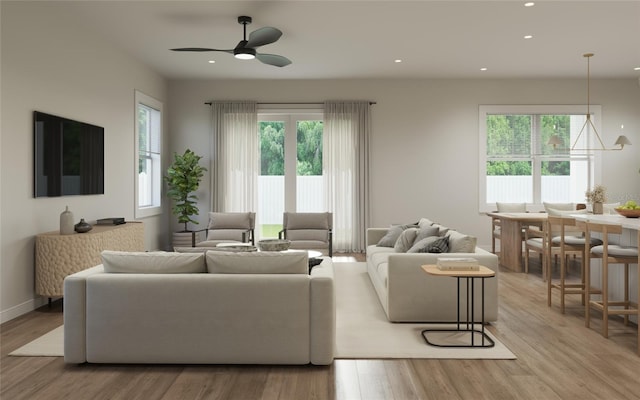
(66,222)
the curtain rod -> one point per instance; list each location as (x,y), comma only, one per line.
(284,104)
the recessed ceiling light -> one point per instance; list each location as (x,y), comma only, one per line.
(212,61)
(483,69)
(529,4)
(397,61)
(528,36)
(636,69)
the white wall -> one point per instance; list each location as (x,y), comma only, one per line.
(424,149)
(53,65)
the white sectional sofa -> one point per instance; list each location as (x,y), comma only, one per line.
(201,308)
(407,293)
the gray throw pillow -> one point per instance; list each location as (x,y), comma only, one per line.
(390,239)
(426,232)
(431,244)
(405,240)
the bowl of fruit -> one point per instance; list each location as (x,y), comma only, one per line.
(630,209)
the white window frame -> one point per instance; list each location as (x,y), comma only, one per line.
(156,207)
(485,110)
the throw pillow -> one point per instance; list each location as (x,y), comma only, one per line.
(392,235)
(442,230)
(405,240)
(424,223)
(426,232)
(431,244)
(461,243)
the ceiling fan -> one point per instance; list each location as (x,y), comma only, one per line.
(246,49)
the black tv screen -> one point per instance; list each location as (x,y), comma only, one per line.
(68,157)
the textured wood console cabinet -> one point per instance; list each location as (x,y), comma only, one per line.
(60,255)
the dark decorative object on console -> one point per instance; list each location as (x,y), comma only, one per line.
(82,226)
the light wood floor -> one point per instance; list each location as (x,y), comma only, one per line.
(558,358)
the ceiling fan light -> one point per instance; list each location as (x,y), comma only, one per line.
(244,54)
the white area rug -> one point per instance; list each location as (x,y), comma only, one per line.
(363,330)
(50,344)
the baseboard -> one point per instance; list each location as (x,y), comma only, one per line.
(20,309)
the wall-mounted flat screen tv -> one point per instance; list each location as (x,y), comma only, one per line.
(68,157)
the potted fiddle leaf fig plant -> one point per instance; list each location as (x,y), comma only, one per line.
(183,179)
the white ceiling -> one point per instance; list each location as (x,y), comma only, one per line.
(361,39)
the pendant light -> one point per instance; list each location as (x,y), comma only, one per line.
(622,140)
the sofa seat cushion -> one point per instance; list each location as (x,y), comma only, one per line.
(264,262)
(158,262)
(374,250)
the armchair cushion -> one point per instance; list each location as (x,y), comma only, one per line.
(307,221)
(226,234)
(230,220)
(308,234)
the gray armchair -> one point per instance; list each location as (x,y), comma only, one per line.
(308,231)
(229,227)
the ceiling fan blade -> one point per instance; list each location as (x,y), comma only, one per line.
(263,36)
(273,59)
(200,49)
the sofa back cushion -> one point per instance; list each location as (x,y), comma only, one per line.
(264,262)
(157,262)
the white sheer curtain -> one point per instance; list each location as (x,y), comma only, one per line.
(346,134)
(235,159)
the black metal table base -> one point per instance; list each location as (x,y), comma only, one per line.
(468,326)
(483,341)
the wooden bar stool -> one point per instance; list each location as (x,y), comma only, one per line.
(567,240)
(610,254)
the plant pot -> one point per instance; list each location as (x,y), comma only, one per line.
(597,208)
(186,238)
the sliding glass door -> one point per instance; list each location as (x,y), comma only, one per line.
(290,168)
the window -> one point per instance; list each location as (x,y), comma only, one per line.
(517,164)
(290,167)
(148,144)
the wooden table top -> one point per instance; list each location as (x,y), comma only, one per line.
(520,216)
(482,272)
